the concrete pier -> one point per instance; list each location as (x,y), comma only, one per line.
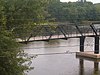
(88,54)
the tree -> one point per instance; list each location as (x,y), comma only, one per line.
(21,15)
(72,11)
(17,17)
(97,8)
(10,64)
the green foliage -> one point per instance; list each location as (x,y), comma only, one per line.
(9,62)
(17,18)
(73,11)
(97,8)
(22,14)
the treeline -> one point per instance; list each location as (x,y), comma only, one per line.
(74,11)
(18,18)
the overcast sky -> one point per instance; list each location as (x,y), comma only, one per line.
(94,1)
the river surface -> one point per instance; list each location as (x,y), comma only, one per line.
(54,58)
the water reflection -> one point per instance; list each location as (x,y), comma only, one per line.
(82,67)
(96,68)
(53,43)
(61,64)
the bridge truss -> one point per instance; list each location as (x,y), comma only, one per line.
(65,31)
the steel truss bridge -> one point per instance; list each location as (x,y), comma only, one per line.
(65,31)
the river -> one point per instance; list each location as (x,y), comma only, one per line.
(54,58)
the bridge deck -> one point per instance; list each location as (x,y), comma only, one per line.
(45,38)
(49,32)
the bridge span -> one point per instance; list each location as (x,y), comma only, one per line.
(66,31)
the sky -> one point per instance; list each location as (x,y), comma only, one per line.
(94,1)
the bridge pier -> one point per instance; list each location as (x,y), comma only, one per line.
(96,47)
(89,54)
(82,39)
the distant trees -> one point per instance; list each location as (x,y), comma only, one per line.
(73,11)
(97,9)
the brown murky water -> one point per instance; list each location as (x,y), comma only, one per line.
(55,60)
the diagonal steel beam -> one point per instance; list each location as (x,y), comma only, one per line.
(32,35)
(61,29)
(50,33)
(79,30)
(64,29)
(94,29)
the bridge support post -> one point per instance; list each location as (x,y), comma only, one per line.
(81,66)
(82,39)
(96,48)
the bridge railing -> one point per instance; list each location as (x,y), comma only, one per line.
(40,32)
(68,30)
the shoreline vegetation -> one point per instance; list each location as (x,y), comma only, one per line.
(18,18)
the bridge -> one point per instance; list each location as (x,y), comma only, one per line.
(66,31)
